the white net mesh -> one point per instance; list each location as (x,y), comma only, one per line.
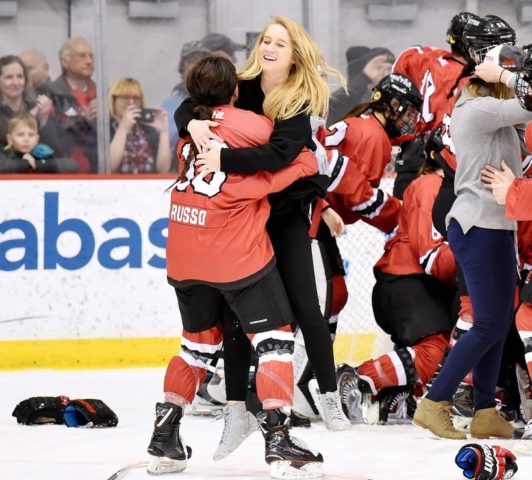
(359,337)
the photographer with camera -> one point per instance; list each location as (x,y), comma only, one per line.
(139,135)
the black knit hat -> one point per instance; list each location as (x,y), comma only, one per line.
(358,57)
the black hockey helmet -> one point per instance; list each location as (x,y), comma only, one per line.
(480,35)
(523,83)
(398,95)
(456,30)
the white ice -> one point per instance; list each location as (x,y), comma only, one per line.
(60,453)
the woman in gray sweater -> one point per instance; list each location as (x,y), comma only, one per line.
(482,240)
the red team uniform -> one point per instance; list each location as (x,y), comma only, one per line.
(217,242)
(434,72)
(413,294)
(227,214)
(359,151)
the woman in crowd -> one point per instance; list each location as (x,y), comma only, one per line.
(283,79)
(138,145)
(482,240)
(17,97)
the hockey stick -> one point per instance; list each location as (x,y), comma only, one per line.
(122,472)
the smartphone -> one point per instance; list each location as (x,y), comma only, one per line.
(147,115)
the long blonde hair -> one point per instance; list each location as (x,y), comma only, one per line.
(479,88)
(305,90)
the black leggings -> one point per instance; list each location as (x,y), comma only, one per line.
(292,246)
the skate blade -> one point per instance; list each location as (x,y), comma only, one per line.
(162,465)
(283,470)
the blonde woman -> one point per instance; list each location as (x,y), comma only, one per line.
(284,80)
(482,240)
(139,144)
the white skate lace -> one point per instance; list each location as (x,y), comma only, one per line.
(228,422)
(333,408)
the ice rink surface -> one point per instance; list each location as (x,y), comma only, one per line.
(60,453)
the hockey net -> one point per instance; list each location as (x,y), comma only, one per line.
(358,336)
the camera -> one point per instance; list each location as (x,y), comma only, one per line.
(147,115)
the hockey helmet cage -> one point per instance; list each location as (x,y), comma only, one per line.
(523,83)
(480,35)
(397,94)
(456,30)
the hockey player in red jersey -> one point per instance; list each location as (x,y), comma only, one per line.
(412,301)
(435,72)
(219,256)
(360,148)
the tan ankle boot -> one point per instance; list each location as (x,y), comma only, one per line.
(489,422)
(436,416)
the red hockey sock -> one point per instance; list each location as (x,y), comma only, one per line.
(275,375)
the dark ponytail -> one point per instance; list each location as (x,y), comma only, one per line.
(211,82)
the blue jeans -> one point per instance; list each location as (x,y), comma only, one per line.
(488,261)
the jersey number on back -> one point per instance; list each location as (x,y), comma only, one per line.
(427,90)
(199,184)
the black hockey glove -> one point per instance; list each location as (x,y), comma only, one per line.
(89,413)
(40,410)
(485,462)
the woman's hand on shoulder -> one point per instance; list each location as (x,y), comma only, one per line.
(209,161)
(200,131)
(489,72)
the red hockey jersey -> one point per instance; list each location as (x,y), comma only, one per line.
(418,247)
(434,72)
(519,199)
(216,232)
(359,150)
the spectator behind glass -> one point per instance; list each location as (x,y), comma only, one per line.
(74,97)
(136,147)
(38,70)
(221,46)
(190,54)
(16,97)
(365,68)
(24,153)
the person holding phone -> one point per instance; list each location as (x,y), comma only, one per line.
(139,136)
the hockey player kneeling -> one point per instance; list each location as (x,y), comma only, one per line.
(484,462)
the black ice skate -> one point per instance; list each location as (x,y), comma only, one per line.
(166,446)
(288,457)
(356,394)
(397,405)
